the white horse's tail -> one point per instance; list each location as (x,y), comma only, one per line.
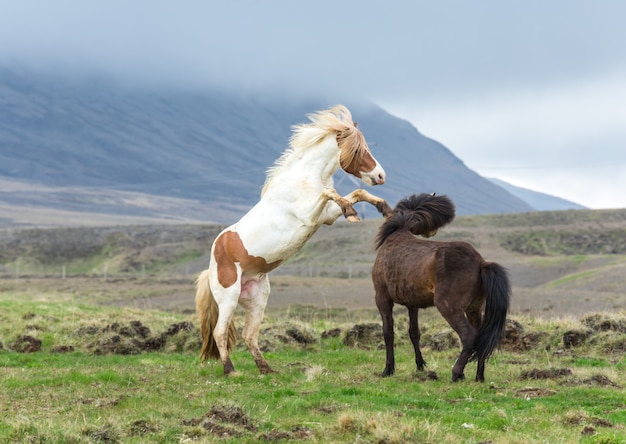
(208,312)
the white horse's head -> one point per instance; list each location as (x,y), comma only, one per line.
(356,158)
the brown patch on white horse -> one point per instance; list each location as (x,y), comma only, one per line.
(230,250)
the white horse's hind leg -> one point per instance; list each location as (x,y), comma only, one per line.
(226,299)
(254,296)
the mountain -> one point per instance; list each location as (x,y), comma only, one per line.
(537,200)
(94,146)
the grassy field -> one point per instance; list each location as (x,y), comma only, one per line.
(98,341)
(109,374)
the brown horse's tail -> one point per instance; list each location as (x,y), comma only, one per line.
(497,290)
(208,311)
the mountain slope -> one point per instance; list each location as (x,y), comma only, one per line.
(210,150)
(539,201)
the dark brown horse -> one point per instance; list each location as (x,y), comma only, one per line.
(470,293)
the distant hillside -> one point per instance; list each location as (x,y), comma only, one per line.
(539,201)
(86,143)
(559,261)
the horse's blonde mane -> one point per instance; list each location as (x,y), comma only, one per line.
(337,120)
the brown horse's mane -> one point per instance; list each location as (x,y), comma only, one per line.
(420,214)
(337,120)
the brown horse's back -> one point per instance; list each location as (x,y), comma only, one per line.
(410,271)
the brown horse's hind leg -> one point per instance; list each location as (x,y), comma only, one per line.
(414,334)
(467,334)
(474,316)
(385,308)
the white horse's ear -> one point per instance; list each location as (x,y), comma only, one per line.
(356,125)
(433,194)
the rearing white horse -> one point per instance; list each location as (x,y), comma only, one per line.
(298,197)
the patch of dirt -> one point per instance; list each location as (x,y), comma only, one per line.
(142,427)
(297,433)
(328,408)
(332,333)
(575,338)
(133,338)
(580,419)
(272,337)
(601,380)
(231,415)
(105,434)
(301,337)
(514,339)
(62,349)
(181,326)
(25,344)
(132,330)
(443,340)
(223,421)
(529,392)
(552,373)
(426,376)
(365,336)
(222,431)
(615,346)
(604,322)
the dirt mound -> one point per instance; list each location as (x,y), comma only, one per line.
(135,337)
(232,422)
(552,373)
(604,322)
(575,338)
(364,336)
(515,340)
(443,340)
(275,336)
(601,380)
(25,344)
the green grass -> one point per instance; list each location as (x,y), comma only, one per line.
(326,392)
(571,277)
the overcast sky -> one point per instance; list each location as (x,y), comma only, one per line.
(532,92)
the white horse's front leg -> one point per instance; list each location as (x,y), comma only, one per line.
(345,205)
(363,196)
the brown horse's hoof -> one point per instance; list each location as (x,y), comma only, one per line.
(353,218)
(387,373)
(457,378)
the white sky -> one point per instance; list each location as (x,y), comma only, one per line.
(531,92)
